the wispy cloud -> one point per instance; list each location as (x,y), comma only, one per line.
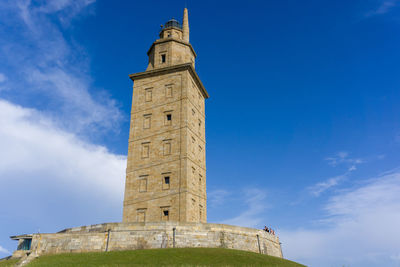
(383,8)
(46,64)
(321,187)
(217,197)
(3,250)
(255,200)
(3,77)
(340,158)
(343,158)
(362,229)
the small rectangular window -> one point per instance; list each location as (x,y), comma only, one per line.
(168,118)
(145,150)
(141,215)
(146,121)
(165,213)
(148,94)
(143,184)
(200,123)
(166,181)
(168,91)
(163,58)
(167,148)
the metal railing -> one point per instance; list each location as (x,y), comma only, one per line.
(172,24)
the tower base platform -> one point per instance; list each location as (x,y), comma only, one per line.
(131,236)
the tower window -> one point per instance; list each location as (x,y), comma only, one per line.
(193,145)
(145,150)
(166,181)
(168,91)
(165,213)
(148,94)
(168,118)
(167,147)
(163,58)
(141,215)
(143,184)
(146,121)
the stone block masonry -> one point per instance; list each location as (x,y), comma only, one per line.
(166,167)
(132,236)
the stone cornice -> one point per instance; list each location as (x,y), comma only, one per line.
(159,41)
(171,69)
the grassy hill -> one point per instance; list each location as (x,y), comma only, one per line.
(7,263)
(162,257)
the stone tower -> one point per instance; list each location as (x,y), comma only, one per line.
(166,170)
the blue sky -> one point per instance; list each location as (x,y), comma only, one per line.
(303,120)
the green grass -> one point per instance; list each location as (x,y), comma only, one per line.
(8,263)
(164,257)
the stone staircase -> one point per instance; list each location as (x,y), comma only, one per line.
(27,258)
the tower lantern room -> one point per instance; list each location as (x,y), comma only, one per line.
(171,29)
(173,47)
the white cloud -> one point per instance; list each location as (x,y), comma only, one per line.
(321,187)
(343,158)
(48,175)
(217,197)
(340,158)
(384,7)
(3,250)
(30,143)
(3,77)
(361,230)
(255,200)
(352,168)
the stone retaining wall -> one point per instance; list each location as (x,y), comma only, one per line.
(131,236)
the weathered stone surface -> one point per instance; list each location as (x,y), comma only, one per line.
(131,236)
